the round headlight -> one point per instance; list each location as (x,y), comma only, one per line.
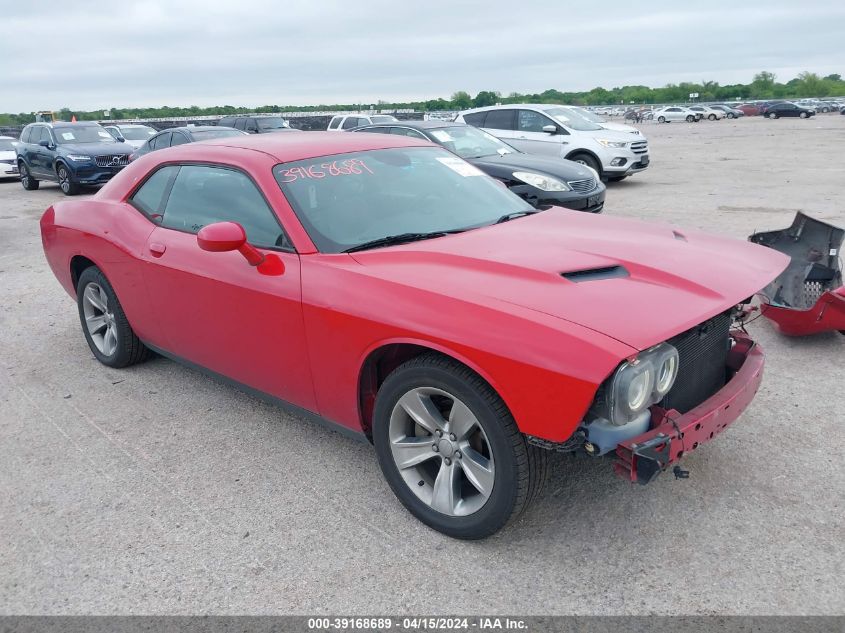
(665,361)
(639,391)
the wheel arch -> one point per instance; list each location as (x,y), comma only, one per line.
(382,358)
(589,153)
(78,264)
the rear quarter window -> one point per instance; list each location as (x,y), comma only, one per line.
(149,197)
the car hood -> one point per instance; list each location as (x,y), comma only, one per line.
(557,167)
(620,127)
(96,149)
(635,282)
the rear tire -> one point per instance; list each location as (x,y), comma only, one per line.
(731,115)
(27,181)
(712,117)
(104,324)
(444,439)
(69,188)
(662,119)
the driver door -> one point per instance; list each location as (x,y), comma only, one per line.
(215,309)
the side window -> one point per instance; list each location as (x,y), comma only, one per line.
(407,132)
(350,122)
(161,141)
(377,130)
(40,134)
(238,124)
(25,135)
(500,119)
(530,121)
(476,119)
(335,122)
(178,139)
(149,197)
(250,125)
(226,121)
(203,195)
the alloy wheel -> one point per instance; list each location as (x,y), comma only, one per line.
(24,175)
(64,179)
(441,451)
(99,319)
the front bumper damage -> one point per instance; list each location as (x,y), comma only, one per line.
(672,434)
(808,297)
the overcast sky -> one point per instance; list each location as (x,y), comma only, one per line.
(91,54)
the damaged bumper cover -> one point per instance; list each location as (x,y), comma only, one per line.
(672,435)
(808,297)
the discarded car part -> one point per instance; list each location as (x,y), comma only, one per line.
(808,297)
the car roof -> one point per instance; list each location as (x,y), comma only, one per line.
(253,116)
(194,128)
(417,125)
(128,125)
(302,145)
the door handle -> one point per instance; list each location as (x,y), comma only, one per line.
(157,249)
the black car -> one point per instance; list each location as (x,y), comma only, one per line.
(540,180)
(71,154)
(777,110)
(181,135)
(264,124)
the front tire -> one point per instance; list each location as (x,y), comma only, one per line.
(69,188)
(772,115)
(27,181)
(712,117)
(690,118)
(804,115)
(589,161)
(450,449)
(104,324)
(661,119)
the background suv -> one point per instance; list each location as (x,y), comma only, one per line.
(256,124)
(343,122)
(553,130)
(71,154)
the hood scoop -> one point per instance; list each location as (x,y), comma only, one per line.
(596,274)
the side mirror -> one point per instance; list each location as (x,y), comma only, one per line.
(46,143)
(120,139)
(222,237)
(550,129)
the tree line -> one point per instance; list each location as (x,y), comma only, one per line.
(763,86)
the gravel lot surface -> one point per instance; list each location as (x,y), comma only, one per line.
(158,490)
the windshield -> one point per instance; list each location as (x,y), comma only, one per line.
(136,133)
(204,135)
(383,118)
(271,123)
(590,116)
(82,134)
(470,142)
(572,119)
(349,199)
(7,145)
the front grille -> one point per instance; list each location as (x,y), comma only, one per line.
(703,355)
(582,186)
(113,160)
(639,147)
(7,161)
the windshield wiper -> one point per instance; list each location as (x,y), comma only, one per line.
(516,214)
(401,238)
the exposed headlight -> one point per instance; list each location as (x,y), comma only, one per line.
(608,143)
(546,183)
(640,383)
(78,157)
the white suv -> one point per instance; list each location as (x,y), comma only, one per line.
(343,122)
(554,130)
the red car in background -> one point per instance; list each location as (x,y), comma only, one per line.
(384,284)
(749,109)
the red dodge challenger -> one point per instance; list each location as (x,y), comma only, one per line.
(385,285)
